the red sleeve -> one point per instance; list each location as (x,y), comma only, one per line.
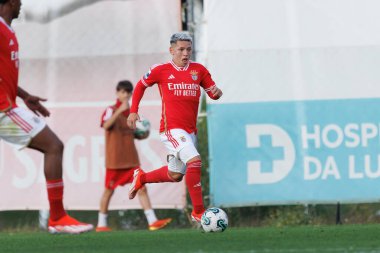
(107,114)
(148,80)
(151,77)
(137,95)
(207,83)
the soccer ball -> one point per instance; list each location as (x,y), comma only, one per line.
(214,220)
(142,128)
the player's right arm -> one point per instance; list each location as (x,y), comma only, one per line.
(138,93)
(146,81)
(33,102)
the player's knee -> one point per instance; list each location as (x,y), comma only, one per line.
(59,146)
(142,191)
(56,146)
(194,159)
(176,176)
(108,192)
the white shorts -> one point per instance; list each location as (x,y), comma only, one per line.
(182,148)
(18,126)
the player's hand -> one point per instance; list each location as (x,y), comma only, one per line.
(124,106)
(33,103)
(131,121)
(216,92)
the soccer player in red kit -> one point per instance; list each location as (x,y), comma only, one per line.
(179,82)
(22,128)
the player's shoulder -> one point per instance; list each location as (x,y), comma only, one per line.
(158,66)
(4,28)
(198,66)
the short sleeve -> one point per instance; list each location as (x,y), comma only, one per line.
(107,114)
(151,77)
(206,82)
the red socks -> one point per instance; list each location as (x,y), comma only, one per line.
(55,196)
(193,182)
(156,176)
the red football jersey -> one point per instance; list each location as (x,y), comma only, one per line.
(9,64)
(180,91)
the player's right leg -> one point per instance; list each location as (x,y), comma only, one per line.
(174,172)
(153,222)
(22,128)
(140,178)
(103,212)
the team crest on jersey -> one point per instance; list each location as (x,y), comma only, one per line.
(183,139)
(194,75)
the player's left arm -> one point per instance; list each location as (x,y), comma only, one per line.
(215,93)
(33,103)
(209,86)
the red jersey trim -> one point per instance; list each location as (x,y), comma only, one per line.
(207,90)
(163,110)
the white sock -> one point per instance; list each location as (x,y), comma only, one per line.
(102,220)
(150,216)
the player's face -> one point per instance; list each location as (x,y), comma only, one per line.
(181,52)
(123,95)
(16,6)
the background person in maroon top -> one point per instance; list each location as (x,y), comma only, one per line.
(179,82)
(122,158)
(24,128)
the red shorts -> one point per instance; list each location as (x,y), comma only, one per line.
(116,177)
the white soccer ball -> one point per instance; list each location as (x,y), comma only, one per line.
(214,220)
(142,128)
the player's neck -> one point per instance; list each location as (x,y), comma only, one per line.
(6,19)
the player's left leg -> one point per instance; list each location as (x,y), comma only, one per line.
(52,148)
(28,130)
(154,223)
(191,157)
(194,187)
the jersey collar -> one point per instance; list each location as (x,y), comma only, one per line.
(180,68)
(5,23)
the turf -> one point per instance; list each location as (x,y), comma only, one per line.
(346,238)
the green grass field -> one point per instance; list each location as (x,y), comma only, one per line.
(345,238)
